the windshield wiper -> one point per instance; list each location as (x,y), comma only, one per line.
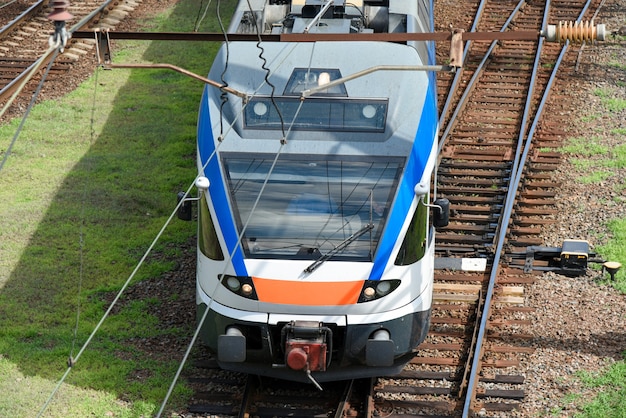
(339,247)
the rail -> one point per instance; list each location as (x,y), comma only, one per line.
(18,81)
(27,14)
(520,160)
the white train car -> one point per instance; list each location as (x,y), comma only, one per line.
(315,239)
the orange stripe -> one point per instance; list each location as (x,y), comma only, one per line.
(307,293)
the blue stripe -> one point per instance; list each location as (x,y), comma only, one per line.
(422,145)
(219,197)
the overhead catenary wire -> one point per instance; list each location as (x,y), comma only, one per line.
(207,310)
(81,271)
(73,360)
(200,324)
(283,143)
(199,18)
(113,303)
(267,70)
(223,94)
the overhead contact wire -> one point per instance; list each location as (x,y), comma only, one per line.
(283,142)
(81,272)
(199,18)
(223,94)
(115,300)
(267,71)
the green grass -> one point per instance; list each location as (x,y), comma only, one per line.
(611,402)
(615,250)
(589,155)
(613,104)
(84,193)
(585,147)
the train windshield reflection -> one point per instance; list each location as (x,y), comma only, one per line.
(308,207)
(329,114)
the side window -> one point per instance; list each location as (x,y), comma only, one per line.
(207,237)
(414,244)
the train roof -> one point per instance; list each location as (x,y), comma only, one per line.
(268,69)
(340,16)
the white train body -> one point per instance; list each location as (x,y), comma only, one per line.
(315,245)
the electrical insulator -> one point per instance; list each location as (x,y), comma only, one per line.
(59,10)
(576,32)
(59,15)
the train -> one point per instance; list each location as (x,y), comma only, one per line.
(316,203)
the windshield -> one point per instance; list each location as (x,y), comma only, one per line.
(311,206)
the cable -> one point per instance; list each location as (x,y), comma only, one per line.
(117,297)
(199,19)
(267,71)
(223,94)
(283,142)
(7,4)
(70,361)
(226,264)
(32,100)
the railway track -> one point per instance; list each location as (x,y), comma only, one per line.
(25,51)
(225,393)
(488,110)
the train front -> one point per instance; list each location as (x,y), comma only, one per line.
(315,249)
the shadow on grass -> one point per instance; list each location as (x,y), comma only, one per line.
(111,205)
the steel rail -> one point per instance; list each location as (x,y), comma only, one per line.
(501,231)
(25,15)
(252,385)
(10,88)
(457,76)
(344,402)
(472,82)
(510,200)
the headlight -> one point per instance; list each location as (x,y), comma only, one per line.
(376,289)
(240,285)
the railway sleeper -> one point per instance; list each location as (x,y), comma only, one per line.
(472,165)
(496,406)
(500,393)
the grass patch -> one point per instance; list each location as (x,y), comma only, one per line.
(611,402)
(83,205)
(613,104)
(589,155)
(595,177)
(585,147)
(615,250)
